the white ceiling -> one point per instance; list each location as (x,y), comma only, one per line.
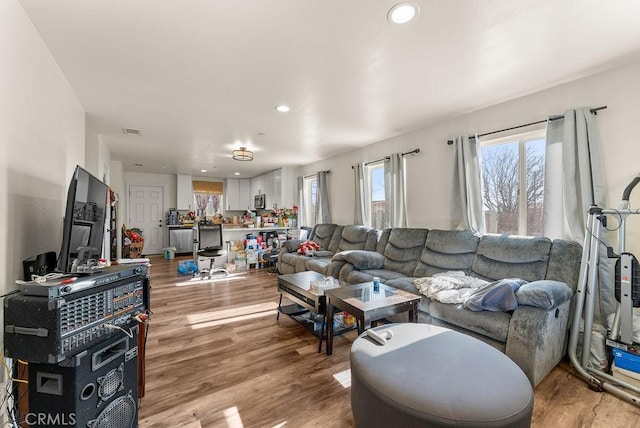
(200,78)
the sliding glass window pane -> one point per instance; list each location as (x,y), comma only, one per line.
(535,184)
(377,196)
(500,176)
(311,187)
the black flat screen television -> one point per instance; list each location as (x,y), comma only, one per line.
(84,223)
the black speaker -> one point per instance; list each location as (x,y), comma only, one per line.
(40,265)
(96,388)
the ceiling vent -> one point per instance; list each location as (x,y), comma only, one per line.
(132,131)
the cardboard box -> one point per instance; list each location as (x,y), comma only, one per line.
(135,250)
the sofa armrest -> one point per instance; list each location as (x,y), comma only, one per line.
(537,339)
(290,246)
(544,294)
(361,259)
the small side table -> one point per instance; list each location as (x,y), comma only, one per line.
(366,306)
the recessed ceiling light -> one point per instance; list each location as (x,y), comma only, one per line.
(282,108)
(203,170)
(402,13)
(236,173)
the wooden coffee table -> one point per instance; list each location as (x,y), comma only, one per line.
(366,305)
(297,288)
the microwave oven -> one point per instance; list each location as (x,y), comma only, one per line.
(259,202)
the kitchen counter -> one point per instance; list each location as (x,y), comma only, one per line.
(229,227)
(180,226)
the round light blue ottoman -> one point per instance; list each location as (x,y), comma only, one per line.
(429,376)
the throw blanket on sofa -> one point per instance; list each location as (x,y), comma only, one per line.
(449,287)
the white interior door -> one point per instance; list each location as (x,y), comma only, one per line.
(145,212)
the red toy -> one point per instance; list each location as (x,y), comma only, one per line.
(308,248)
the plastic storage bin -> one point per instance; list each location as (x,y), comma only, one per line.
(628,376)
(626,360)
(169,253)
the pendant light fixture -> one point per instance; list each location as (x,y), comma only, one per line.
(243,154)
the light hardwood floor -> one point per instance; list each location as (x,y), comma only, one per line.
(217,357)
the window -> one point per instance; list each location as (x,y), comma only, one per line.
(376,195)
(310,198)
(207,197)
(513,183)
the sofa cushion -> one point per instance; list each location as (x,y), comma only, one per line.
(510,256)
(492,324)
(322,234)
(363,260)
(544,294)
(403,249)
(318,264)
(323,253)
(355,237)
(359,276)
(404,283)
(447,250)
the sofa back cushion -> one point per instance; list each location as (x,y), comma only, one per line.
(447,250)
(354,237)
(322,234)
(383,240)
(511,256)
(403,249)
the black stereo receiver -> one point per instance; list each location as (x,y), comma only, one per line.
(44,330)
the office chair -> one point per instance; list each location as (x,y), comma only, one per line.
(209,244)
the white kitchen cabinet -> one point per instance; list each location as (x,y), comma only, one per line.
(269,190)
(184,192)
(257,186)
(238,194)
(288,187)
(279,186)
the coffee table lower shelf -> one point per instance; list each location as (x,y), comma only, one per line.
(303,317)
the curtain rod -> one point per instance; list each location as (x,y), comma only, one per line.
(412,152)
(312,175)
(550,119)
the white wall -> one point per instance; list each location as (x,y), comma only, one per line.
(42,137)
(116,181)
(429,177)
(41,141)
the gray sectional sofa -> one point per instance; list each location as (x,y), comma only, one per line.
(332,239)
(533,335)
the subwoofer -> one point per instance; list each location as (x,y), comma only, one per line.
(96,388)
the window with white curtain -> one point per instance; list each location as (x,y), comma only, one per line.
(513,183)
(310,198)
(375,194)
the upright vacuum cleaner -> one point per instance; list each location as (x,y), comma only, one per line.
(627,293)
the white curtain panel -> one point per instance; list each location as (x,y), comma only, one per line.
(361,212)
(323,213)
(574,180)
(302,209)
(574,177)
(466,193)
(395,193)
